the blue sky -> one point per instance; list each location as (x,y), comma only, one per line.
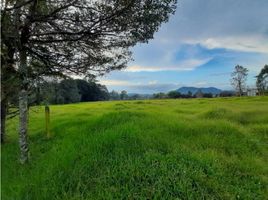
(199,46)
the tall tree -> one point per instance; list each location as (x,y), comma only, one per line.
(91,91)
(68,92)
(123,95)
(9,84)
(174,94)
(75,37)
(262,80)
(114,95)
(238,79)
(159,95)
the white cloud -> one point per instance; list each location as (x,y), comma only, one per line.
(238,25)
(152,82)
(146,87)
(185,65)
(114,82)
(246,44)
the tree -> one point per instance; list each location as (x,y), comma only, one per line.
(114,95)
(91,91)
(238,79)
(123,95)
(68,92)
(207,95)
(159,95)
(9,84)
(74,37)
(174,94)
(71,91)
(102,93)
(227,93)
(136,97)
(84,90)
(189,94)
(262,80)
(50,92)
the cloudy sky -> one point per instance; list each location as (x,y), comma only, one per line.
(199,46)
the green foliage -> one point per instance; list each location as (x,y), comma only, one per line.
(174,94)
(80,36)
(123,95)
(114,95)
(207,95)
(153,149)
(91,91)
(226,93)
(159,95)
(70,91)
(262,80)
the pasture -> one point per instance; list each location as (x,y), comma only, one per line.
(150,149)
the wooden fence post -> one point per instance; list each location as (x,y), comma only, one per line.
(47,114)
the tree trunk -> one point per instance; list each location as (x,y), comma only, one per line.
(23,109)
(3,119)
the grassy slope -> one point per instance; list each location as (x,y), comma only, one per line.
(189,149)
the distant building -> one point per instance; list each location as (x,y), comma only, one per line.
(252,92)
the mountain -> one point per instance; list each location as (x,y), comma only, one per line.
(193,90)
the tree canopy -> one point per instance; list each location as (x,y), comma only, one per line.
(238,79)
(262,80)
(58,37)
(80,36)
(71,91)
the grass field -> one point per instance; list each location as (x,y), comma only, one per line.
(155,149)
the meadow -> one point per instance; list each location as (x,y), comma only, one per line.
(151,149)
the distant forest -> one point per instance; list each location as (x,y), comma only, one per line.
(65,91)
(70,91)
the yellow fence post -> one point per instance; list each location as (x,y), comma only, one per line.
(47,120)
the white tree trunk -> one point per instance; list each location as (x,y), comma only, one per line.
(23,109)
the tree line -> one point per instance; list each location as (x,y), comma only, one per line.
(63,91)
(70,91)
(199,94)
(262,81)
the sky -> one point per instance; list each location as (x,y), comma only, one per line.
(199,46)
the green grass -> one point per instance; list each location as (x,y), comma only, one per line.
(157,149)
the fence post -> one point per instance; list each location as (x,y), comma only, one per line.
(47,114)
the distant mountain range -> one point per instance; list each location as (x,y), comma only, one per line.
(193,90)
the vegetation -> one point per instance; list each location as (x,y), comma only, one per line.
(227,93)
(70,91)
(262,80)
(238,80)
(59,38)
(155,149)
(175,95)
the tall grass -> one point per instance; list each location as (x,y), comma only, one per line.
(158,149)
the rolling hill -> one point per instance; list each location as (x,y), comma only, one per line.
(193,90)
